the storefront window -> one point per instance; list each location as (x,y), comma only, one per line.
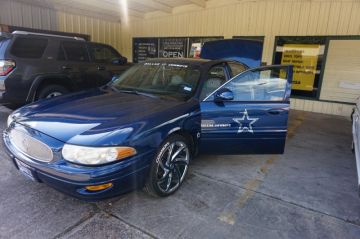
(306,54)
(196,44)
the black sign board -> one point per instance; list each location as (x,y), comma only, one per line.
(173,47)
(145,48)
(168,47)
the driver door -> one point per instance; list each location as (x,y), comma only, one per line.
(251,117)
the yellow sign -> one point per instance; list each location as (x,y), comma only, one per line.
(304,58)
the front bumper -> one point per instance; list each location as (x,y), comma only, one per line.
(72,179)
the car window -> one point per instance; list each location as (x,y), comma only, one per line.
(103,54)
(75,51)
(162,79)
(236,68)
(216,78)
(259,85)
(28,47)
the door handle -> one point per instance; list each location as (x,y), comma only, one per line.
(275,111)
(66,68)
(101,68)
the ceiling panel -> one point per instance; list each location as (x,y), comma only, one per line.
(112,8)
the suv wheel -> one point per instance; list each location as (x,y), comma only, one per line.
(51,91)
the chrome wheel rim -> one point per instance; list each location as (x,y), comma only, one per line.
(173,162)
(53,94)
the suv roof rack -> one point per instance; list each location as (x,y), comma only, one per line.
(47,35)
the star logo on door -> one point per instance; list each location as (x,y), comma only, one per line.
(245,123)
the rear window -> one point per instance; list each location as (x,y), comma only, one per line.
(74,51)
(236,68)
(28,47)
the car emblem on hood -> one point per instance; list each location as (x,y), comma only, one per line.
(245,123)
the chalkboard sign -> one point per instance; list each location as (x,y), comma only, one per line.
(173,47)
(168,47)
(145,48)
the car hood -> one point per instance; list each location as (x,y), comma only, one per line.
(98,117)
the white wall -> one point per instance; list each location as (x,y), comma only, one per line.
(34,16)
(227,18)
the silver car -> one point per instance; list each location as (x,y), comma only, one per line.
(356,137)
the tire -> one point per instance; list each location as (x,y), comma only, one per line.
(168,173)
(51,91)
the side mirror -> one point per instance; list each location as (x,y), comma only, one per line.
(119,61)
(224,94)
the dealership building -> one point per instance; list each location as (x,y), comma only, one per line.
(321,38)
(144,139)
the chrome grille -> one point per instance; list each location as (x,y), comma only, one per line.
(30,146)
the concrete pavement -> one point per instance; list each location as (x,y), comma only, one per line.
(309,192)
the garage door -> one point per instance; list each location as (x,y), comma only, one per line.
(341,80)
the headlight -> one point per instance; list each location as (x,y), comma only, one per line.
(95,155)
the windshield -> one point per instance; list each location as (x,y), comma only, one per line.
(177,81)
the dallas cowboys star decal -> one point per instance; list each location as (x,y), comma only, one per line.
(245,123)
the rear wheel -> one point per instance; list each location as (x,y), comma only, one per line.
(51,91)
(169,168)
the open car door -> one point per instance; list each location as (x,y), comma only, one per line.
(248,114)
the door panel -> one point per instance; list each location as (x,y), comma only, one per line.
(255,121)
(250,128)
(74,63)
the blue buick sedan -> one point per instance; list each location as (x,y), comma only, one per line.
(143,129)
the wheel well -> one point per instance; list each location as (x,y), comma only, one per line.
(189,138)
(54,81)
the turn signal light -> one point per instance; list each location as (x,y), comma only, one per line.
(124,152)
(100,187)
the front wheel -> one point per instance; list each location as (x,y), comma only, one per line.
(169,168)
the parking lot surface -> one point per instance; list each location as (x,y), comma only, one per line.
(309,192)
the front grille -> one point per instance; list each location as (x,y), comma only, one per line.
(30,146)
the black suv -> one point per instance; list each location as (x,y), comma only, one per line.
(35,66)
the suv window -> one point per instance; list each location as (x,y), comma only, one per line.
(74,51)
(103,54)
(28,47)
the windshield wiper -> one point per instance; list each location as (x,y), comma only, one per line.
(136,92)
